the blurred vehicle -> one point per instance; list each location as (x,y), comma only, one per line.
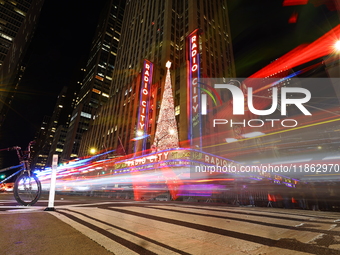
(6,187)
(163,197)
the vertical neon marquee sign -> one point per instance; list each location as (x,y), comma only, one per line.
(193,92)
(144,101)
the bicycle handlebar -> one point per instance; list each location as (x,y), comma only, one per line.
(11,148)
(21,155)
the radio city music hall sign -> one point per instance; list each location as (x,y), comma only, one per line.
(145,96)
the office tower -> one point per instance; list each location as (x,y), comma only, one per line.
(54,133)
(39,159)
(18,20)
(13,14)
(95,88)
(153,33)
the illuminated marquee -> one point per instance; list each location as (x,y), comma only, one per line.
(193,70)
(143,118)
(154,158)
(192,156)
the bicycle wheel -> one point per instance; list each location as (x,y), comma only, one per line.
(27,189)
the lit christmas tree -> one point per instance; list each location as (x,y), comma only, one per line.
(166,132)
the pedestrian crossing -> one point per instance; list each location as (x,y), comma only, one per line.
(172,228)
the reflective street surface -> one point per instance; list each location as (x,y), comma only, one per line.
(130,227)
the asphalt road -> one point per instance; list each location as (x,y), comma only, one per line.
(97,225)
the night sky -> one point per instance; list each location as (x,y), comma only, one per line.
(259,29)
(59,48)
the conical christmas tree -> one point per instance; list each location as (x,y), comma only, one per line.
(166,136)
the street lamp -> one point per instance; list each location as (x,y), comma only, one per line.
(93,151)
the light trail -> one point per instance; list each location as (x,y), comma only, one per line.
(279,132)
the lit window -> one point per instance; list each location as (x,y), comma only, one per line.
(6,37)
(75,115)
(20,12)
(96,91)
(85,115)
(99,78)
(177,110)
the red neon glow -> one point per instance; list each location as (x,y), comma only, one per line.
(139,184)
(302,54)
(293,18)
(192,87)
(294,2)
(147,73)
(172,181)
(194,69)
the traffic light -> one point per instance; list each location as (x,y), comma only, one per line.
(2,176)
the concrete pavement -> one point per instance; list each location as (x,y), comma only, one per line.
(40,232)
(128,227)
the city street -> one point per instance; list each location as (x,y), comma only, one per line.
(130,227)
(170,127)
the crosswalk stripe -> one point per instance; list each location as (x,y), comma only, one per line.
(245,227)
(151,228)
(214,227)
(124,232)
(175,236)
(94,233)
(270,212)
(286,223)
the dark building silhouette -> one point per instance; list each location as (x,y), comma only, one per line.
(95,88)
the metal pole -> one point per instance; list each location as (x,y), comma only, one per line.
(53,183)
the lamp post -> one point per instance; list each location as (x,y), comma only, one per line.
(93,151)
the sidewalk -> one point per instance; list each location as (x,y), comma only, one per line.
(42,233)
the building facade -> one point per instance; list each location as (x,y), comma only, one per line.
(95,88)
(13,15)
(18,20)
(157,32)
(39,157)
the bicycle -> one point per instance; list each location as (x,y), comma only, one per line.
(27,187)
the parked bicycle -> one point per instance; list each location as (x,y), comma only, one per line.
(27,187)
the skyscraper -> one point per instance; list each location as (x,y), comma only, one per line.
(18,20)
(98,76)
(153,33)
(51,138)
(13,15)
